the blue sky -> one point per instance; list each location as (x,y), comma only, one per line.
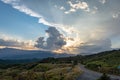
(79,26)
(13,22)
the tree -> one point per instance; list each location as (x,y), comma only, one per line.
(104,77)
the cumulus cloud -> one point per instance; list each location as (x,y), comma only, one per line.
(54,41)
(75,6)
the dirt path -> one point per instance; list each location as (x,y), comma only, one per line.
(92,75)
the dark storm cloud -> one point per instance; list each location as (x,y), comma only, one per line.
(54,41)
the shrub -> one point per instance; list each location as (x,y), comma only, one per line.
(104,77)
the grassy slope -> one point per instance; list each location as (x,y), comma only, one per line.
(110,57)
(104,62)
(107,61)
(40,71)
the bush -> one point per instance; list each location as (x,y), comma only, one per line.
(92,66)
(104,77)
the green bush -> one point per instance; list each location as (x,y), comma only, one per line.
(104,77)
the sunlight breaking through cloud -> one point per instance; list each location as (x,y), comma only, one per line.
(85,26)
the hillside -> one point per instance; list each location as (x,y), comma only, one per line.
(40,71)
(107,62)
(10,53)
(62,68)
(109,57)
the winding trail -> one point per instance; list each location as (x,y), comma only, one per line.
(92,75)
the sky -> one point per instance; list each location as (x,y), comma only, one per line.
(62,26)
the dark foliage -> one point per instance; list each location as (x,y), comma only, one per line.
(104,77)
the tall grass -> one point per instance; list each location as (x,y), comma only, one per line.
(45,71)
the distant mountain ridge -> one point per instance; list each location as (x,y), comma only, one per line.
(10,53)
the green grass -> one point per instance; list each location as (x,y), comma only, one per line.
(41,71)
(105,62)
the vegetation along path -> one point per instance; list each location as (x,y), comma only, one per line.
(92,75)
